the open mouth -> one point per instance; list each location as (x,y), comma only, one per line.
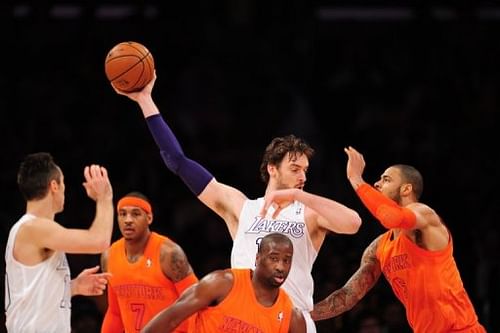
(279,279)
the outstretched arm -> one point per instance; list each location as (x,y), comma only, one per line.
(211,290)
(354,290)
(195,176)
(222,199)
(46,233)
(387,211)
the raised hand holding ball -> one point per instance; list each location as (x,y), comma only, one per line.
(129,66)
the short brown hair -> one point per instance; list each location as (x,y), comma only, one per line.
(277,150)
(35,173)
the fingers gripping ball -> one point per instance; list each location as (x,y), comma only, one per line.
(129,66)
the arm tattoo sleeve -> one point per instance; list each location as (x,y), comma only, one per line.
(354,290)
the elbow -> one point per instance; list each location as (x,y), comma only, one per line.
(348,223)
(391,217)
(100,245)
(172,160)
(104,245)
(355,223)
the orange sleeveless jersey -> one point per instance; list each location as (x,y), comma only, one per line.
(429,285)
(139,289)
(240,312)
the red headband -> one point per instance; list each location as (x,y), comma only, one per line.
(136,202)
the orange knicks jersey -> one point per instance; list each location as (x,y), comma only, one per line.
(240,312)
(428,283)
(137,291)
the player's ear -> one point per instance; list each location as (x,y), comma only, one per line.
(54,185)
(271,169)
(406,189)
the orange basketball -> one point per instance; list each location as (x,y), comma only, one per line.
(129,66)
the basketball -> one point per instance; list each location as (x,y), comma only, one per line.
(129,66)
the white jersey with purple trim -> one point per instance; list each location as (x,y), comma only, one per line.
(38,297)
(290,221)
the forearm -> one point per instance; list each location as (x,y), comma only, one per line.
(388,212)
(195,176)
(347,297)
(334,305)
(161,323)
(102,226)
(147,105)
(339,218)
(356,181)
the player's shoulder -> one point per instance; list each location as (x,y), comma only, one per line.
(371,249)
(421,208)
(227,274)
(169,247)
(37,225)
(163,240)
(426,215)
(220,279)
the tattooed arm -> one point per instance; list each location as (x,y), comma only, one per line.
(175,266)
(354,290)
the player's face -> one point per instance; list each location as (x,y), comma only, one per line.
(133,222)
(273,264)
(390,184)
(291,172)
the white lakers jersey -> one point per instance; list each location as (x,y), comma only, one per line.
(37,298)
(290,221)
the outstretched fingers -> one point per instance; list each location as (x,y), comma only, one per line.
(96,183)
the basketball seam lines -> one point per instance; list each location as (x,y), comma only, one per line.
(140,60)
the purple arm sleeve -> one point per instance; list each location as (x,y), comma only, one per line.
(192,174)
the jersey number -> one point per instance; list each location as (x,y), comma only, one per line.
(257,242)
(138,308)
(62,265)
(66,299)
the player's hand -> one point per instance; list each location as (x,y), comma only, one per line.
(278,199)
(355,165)
(89,282)
(137,95)
(97,184)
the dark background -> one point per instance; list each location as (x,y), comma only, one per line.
(415,83)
